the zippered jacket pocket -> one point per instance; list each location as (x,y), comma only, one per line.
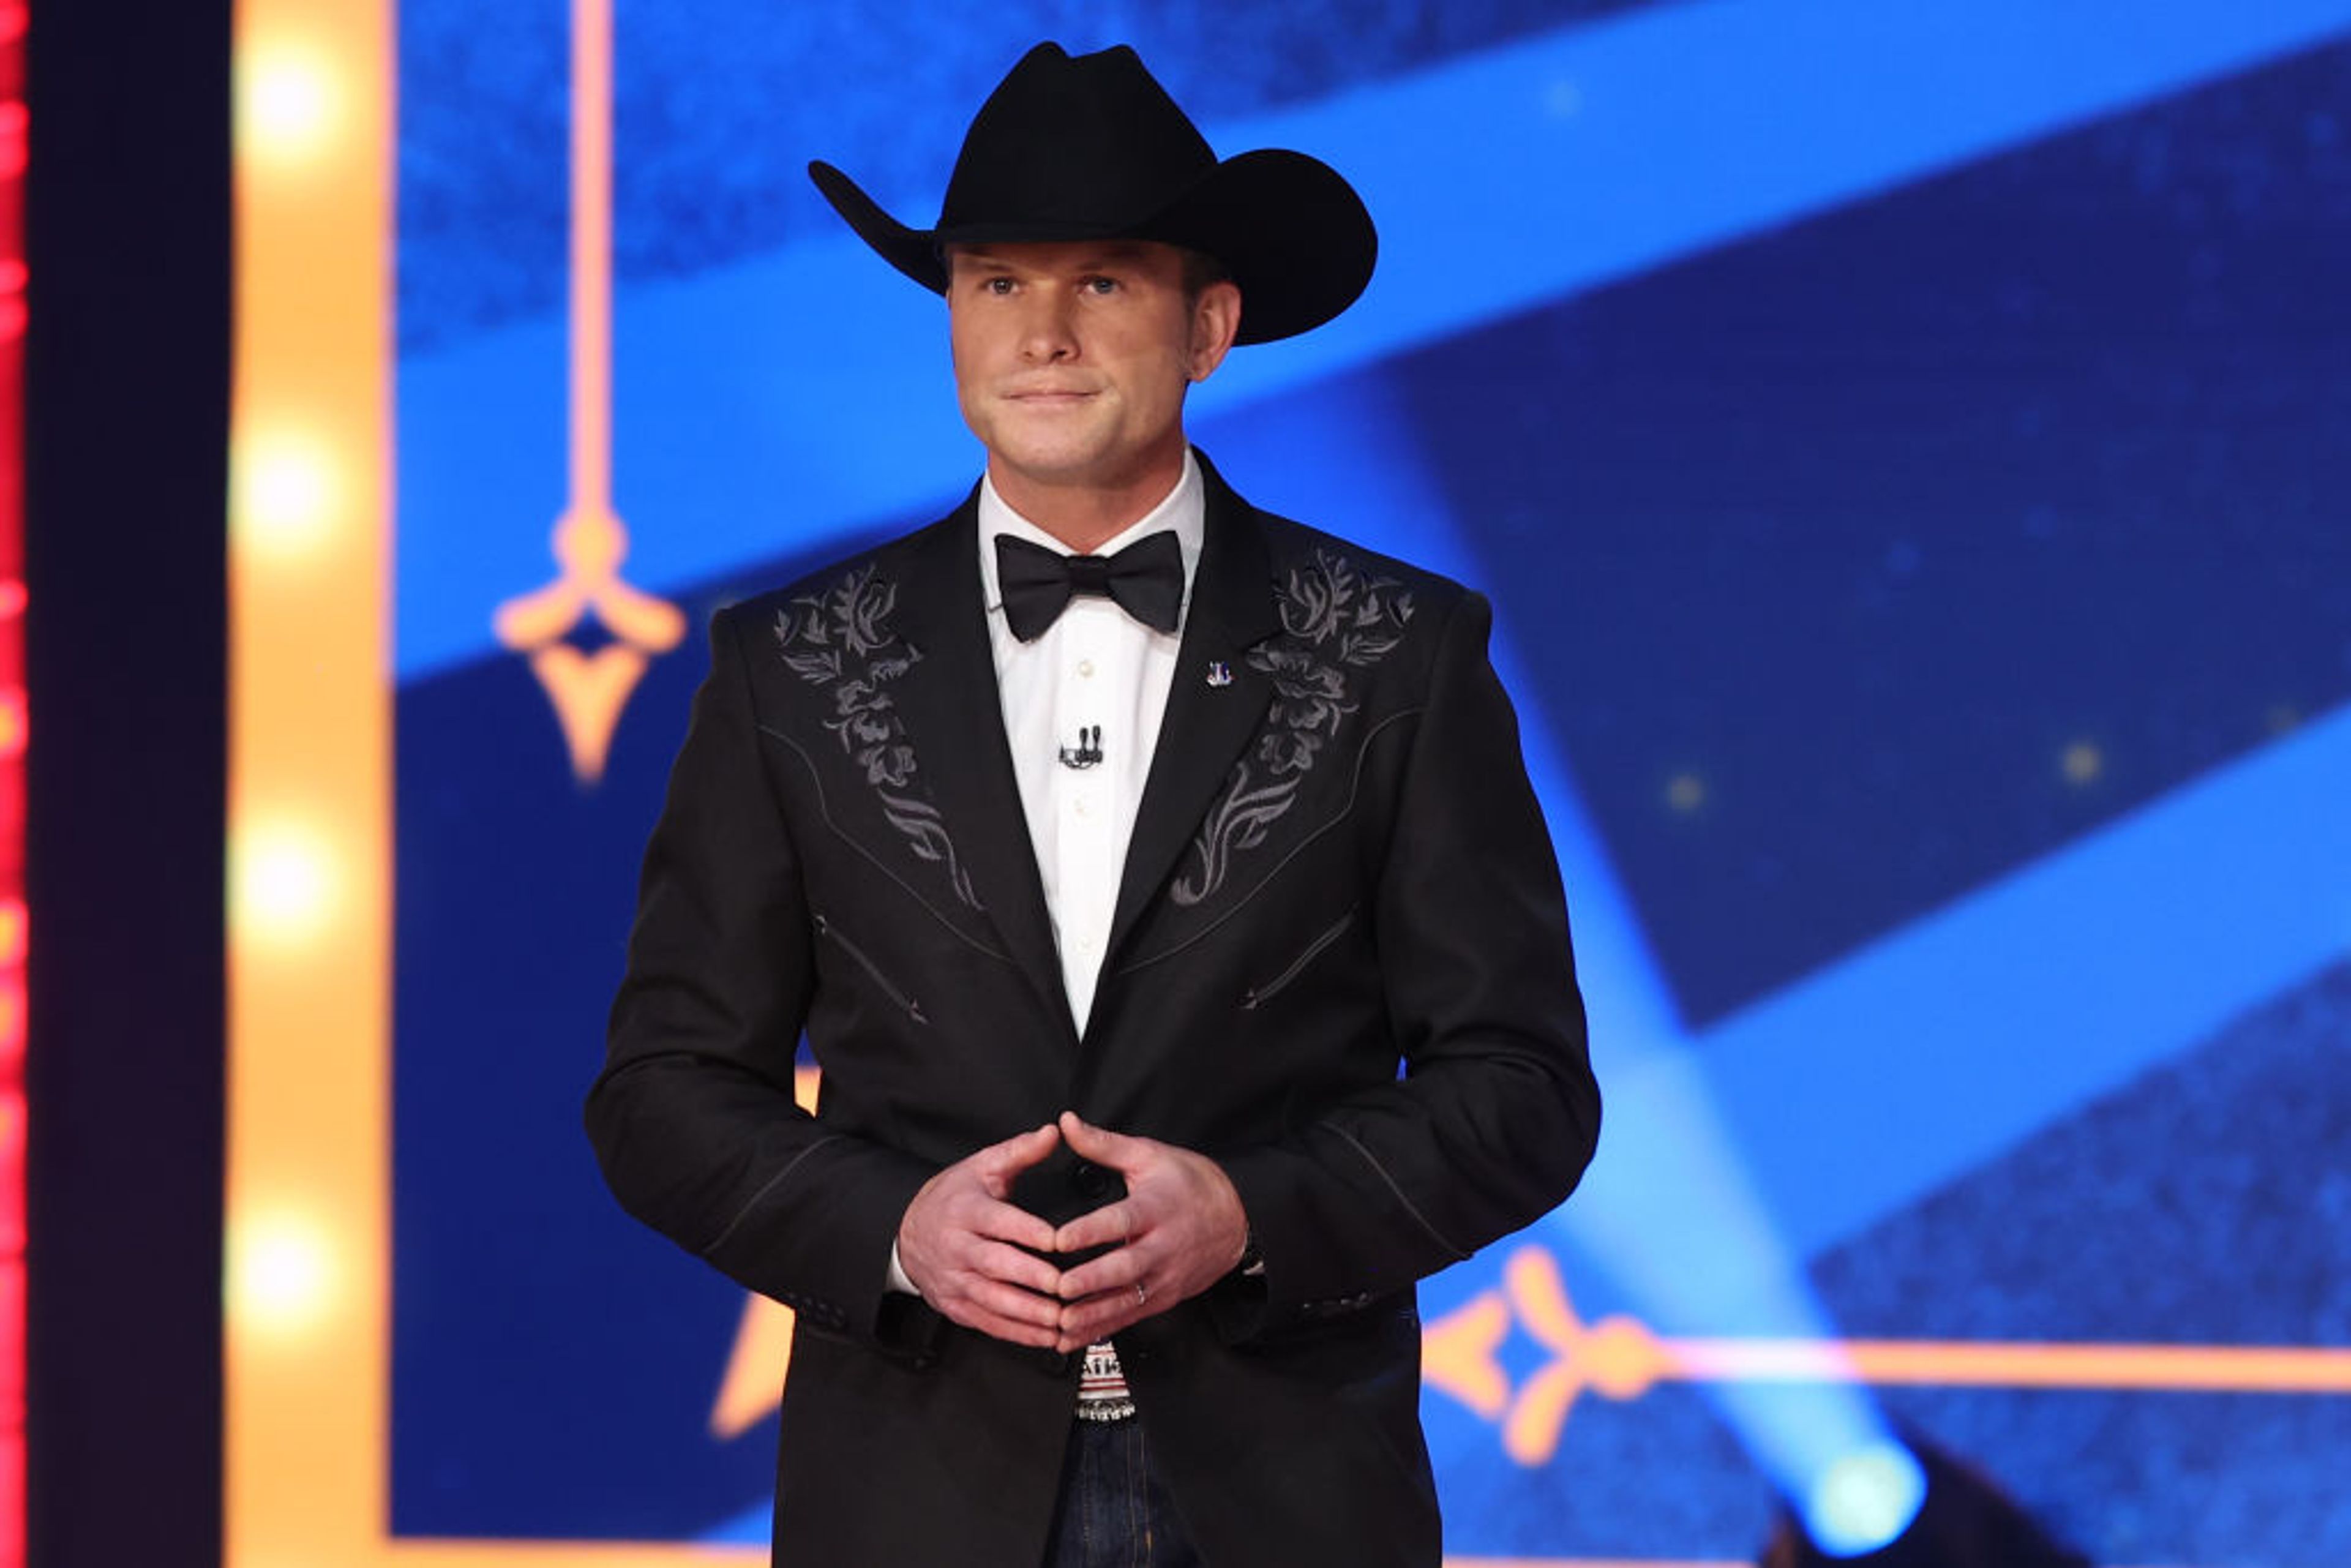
(1257,995)
(890,988)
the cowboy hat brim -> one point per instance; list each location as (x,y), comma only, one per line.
(1287,227)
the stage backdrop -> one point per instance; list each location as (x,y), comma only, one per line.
(1907,446)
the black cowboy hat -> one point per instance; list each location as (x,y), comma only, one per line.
(1093,148)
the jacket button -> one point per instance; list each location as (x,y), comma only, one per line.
(1092,1179)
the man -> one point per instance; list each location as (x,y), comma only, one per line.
(1115,844)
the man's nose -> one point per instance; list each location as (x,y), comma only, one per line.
(1046,332)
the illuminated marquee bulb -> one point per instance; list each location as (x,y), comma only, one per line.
(284,883)
(285,496)
(287,101)
(282,1275)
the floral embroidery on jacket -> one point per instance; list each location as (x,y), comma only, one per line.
(840,639)
(1334,620)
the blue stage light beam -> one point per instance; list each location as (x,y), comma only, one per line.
(1671,1214)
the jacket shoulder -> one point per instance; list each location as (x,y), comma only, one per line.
(881,564)
(1366,607)
(1292,546)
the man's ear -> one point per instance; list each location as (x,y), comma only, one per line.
(1216,317)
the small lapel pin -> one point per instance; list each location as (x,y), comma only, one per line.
(1220,673)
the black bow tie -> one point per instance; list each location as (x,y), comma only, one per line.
(1145,579)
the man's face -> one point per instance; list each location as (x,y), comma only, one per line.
(1072,359)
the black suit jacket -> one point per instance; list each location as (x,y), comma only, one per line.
(1338,966)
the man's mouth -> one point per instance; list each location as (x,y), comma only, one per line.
(1048,397)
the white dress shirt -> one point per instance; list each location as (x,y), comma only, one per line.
(1096,666)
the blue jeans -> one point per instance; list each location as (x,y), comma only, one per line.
(1112,1512)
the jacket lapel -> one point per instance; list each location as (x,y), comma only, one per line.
(955,722)
(1216,703)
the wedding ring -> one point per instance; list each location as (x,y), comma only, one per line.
(1142,1296)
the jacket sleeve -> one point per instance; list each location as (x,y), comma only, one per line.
(1497,1112)
(693,1117)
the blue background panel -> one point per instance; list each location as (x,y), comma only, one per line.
(1865,522)
(720,105)
(1843,458)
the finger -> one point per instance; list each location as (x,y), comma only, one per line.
(1106,1275)
(1112,1225)
(1009,1330)
(1099,1144)
(1101,1317)
(1022,1271)
(1000,1310)
(998,1162)
(998,1221)
(1010,1303)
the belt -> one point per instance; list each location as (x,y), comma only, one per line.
(1103,1393)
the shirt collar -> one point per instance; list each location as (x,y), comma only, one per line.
(1183,509)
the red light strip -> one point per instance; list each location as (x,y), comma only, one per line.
(13,736)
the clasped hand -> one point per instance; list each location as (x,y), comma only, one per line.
(975,1255)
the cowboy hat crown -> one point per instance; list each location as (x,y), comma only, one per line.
(1091,147)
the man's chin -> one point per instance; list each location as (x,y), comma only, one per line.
(1059,467)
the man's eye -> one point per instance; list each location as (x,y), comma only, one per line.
(1102,284)
(998,286)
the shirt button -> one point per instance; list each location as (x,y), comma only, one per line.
(1086,668)
(1083,806)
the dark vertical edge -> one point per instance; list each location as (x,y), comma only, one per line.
(127,233)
